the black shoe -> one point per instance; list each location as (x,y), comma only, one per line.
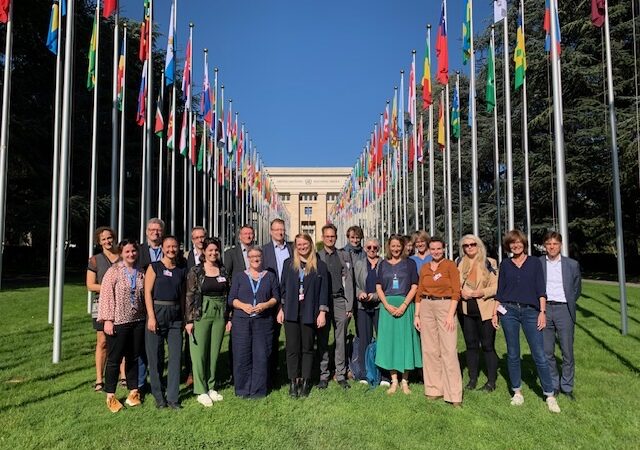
(471,385)
(323,384)
(161,405)
(556,392)
(488,387)
(344,384)
(306,388)
(174,405)
(293,389)
(569,395)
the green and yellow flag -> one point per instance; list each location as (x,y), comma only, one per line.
(490,95)
(466,35)
(91,75)
(520,56)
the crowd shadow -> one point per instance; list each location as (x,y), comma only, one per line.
(591,315)
(624,361)
(616,310)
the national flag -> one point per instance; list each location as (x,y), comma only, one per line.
(186,76)
(201,152)
(171,136)
(420,145)
(145,32)
(519,55)
(141,112)
(170,58)
(91,73)
(547,28)
(490,94)
(466,35)
(394,120)
(442,50)
(499,10)
(192,143)
(240,149)
(63,8)
(4,10)
(427,100)
(109,7)
(207,112)
(385,134)
(54,26)
(441,136)
(183,134)
(158,129)
(597,12)
(122,62)
(455,114)
(412,91)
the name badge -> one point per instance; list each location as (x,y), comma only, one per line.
(437,276)
(167,273)
(221,279)
(502,310)
(300,297)
(395,284)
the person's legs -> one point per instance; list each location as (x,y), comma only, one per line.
(200,346)
(451,374)
(471,332)
(307,334)
(216,336)
(154,344)
(174,344)
(549,345)
(511,328)
(566,329)
(488,340)
(323,349)
(341,323)
(536,345)
(365,330)
(293,349)
(261,341)
(242,357)
(101,356)
(431,362)
(115,351)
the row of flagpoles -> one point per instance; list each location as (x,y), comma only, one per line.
(377,196)
(224,182)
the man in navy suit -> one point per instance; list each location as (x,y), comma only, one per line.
(235,258)
(198,234)
(564,285)
(274,254)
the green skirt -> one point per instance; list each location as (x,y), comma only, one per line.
(398,345)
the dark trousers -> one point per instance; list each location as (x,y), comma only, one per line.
(127,342)
(299,347)
(479,334)
(367,322)
(169,320)
(252,339)
(560,326)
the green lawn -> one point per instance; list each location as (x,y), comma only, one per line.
(44,405)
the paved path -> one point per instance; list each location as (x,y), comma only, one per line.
(610,283)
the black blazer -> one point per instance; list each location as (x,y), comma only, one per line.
(269,261)
(191,261)
(234,261)
(316,293)
(143,257)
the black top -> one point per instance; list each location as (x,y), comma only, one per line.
(334,266)
(213,287)
(523,285)
(406,273)
(169,284)
(242,290)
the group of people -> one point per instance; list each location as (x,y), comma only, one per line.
(412,299)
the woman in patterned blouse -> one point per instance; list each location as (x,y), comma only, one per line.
(122,312)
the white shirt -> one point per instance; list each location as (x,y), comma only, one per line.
(245,255)
(555,289)
(282,253)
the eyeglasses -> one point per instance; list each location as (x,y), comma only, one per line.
(372,247)
(472,244)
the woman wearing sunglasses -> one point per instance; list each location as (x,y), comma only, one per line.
(478,281)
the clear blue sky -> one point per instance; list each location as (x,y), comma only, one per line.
(309,78)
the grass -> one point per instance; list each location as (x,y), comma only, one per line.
(43,405)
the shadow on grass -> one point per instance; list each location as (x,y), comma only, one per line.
(42,398)
(616,310)
(624,361)
(613,299)
(589,314)
(528,373)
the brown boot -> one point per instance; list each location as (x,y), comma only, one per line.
(133,399)
(114,404)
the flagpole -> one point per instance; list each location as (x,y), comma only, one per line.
(143,196)
(616,177)
(204,174)
(173,118)
(121,156)
(63,188)
(114,122)
(414,114)
(432,201)
(507,116)
(474,132)
(4,133)
(424,219)
(525,147)
(93,197)
(445,219)
(496,154)
(55,174)
(160,150)
(216,162)
(405,196)
(449,202)
(148,168)
(459,160)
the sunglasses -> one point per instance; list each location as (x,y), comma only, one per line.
(473,244)
(372,247)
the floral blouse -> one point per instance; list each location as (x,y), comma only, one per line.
(122,295)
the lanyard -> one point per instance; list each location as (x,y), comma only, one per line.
(133,277)
(255,285)
(156,253)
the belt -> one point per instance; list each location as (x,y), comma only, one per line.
(428,297)
(165,303)
(338,295)
(553,302)
(521,305)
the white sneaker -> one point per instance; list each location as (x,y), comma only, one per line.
(204,400)
(385,383)
(517,399)
(552,404)
(214,396)
(364,382)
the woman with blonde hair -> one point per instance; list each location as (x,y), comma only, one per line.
(304,304)
(478,284)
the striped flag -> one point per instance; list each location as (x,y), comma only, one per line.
(441,135)
(122,61)
(519,55)
(158,129)
(54,26)
(91,74)
(145,32)
(455,114)
(427,99)
(170,58)
(466,35)
(442,49)
(183,134)
(186,75)
(141,112)
(207,112)
(171,136)
(547,28)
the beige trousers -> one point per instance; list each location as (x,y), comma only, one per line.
(440,365)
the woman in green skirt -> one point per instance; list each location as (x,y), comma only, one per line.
(398,348)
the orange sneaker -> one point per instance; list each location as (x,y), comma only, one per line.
(133,399)
(114,404)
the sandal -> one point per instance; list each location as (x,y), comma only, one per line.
(405,387)
(98,387)
(393,388)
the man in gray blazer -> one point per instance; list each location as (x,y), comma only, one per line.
(235,258)
(564,285)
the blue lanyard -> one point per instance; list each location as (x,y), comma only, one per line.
(255,287)
(156,253)
(133,277)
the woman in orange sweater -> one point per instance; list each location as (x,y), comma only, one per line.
(436,302)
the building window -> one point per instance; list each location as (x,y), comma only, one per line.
(308,211)
(285,196)
(308,197)
(332,197)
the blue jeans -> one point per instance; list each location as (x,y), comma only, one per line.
(526,317)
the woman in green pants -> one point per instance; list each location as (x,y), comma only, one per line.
(205,317)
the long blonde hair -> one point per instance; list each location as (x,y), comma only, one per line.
(480,258)
(312,259)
